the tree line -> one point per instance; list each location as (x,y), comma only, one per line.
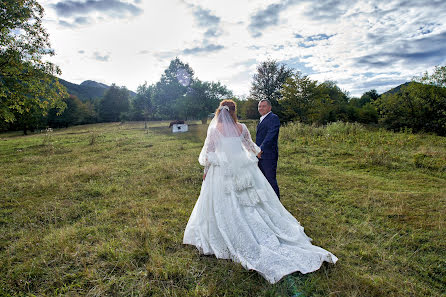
(32,98)
(177,95)
(419,105)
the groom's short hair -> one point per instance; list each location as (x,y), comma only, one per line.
(267,101)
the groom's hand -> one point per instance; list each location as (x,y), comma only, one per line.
(259,155)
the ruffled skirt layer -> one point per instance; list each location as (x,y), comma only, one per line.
(238,216)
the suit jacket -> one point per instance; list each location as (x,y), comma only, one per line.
(267,135)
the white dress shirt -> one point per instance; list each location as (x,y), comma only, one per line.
(264,116)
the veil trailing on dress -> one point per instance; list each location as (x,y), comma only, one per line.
(222,126)
(224,123)
(229,147)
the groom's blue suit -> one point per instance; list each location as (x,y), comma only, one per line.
(266,138)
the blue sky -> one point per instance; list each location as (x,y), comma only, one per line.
(361,45)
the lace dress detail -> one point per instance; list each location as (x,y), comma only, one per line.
(238,215)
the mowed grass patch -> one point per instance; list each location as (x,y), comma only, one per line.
(100,210)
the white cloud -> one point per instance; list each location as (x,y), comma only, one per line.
(360,44)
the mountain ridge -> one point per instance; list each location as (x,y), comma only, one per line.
(396,89)
(88,89)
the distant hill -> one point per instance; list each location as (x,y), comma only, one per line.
(92,83)
(88,89)
(396,89)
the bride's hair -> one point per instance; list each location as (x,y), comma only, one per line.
(232,108)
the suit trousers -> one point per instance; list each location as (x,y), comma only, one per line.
(269,169)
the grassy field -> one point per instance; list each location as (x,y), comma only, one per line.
(99,210)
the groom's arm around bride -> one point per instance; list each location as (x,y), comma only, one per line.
(267,135)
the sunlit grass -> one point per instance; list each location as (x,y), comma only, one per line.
(101,209)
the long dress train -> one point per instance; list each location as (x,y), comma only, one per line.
(238,215)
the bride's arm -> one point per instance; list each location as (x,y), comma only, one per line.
(247,141)
(206,154)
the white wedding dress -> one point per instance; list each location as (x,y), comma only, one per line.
(238,215)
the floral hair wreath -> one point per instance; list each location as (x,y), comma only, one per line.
(223,106)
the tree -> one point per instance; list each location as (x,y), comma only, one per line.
(171,88)
(30,120)
(417,106)
(88,111)
(367,114)
(114,104)
(248,108)
(299,94)
(72,114)
(330,104)
(142,106)
(202,99)
(438,78)
(267,82)
(368,97)
(27,83)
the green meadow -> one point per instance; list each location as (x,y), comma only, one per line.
(99,210)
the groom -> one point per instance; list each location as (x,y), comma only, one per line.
(266,138)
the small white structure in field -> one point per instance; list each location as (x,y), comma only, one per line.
(179,128)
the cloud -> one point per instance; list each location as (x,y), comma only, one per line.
(311,41)
(66,24)
(381,84)
(299,65)
(205,49)
(204,18)
(113,8)
(82,21)
(165,55)
(265,18)
(305,45)
(104,58)
(426,50)
(212,32)
(360,44)
(318,37)
(328,10)
(79,21)
(245,63)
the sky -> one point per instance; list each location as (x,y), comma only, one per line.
(361,45)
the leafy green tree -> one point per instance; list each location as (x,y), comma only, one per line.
(240,102)
(201,99)
(171,88)
(88,111)
(114,104)
(417,106)
(72,114)
(251,109)
(142,107)
(368,97)
(268,81)
(367,114)
(330,105)
(248,109)
(299,94)
(30,121)
(27,83)
(437,78)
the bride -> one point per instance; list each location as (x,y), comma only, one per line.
(238,215)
